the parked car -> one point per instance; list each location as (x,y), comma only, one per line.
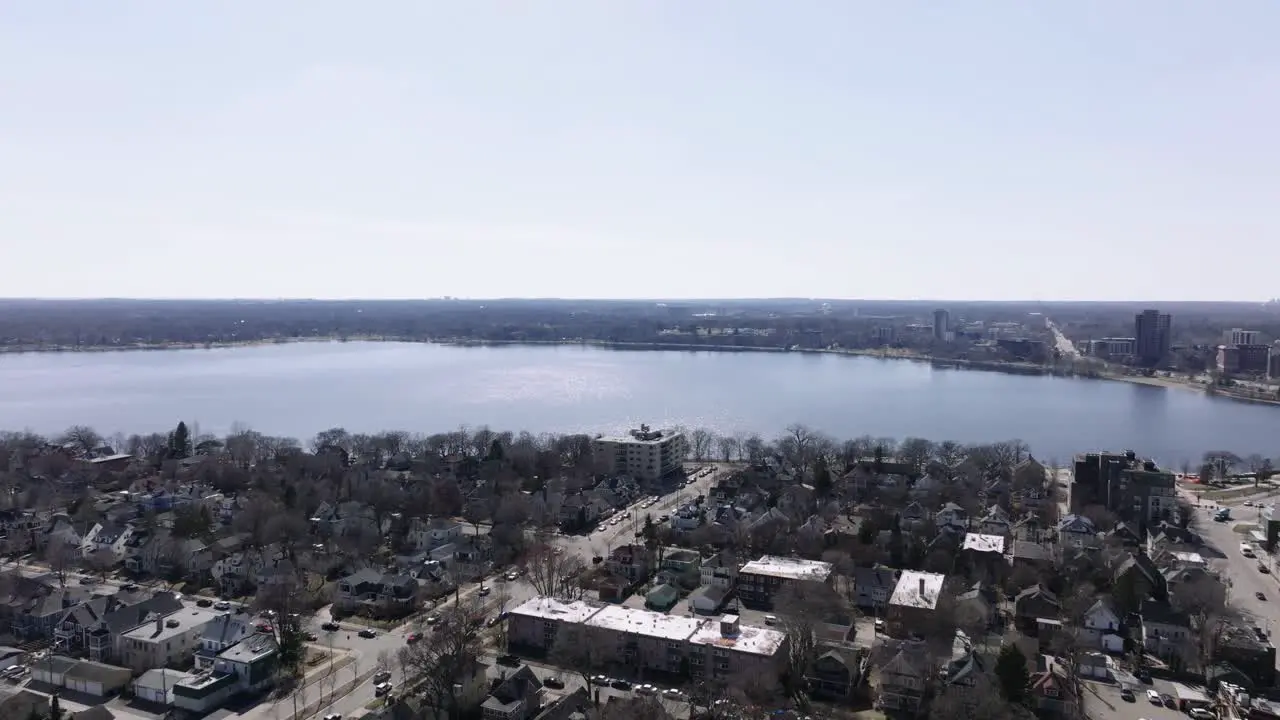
(484,591)
(330,627)
(509,660)
(433,619)
(646,689)
(553,681)
(1127,695)
(204,602)
(333,716)
(381,689)
(311,637)
(1260,595)
(1202,714)
(597,560)
(381,676)
(513,575)
(600,680)
(673,694)
(368,633)
(620,685)
(413,637)
(222,605)
(1154,697)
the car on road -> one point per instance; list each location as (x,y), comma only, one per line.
(1202,714)
(433,619)
(204,602)
(496,619)
(553,681)
(509,660)
(513,575)
(646,689)
(222,605)
(311,637)
(1154,697)
(600,680)
(620,685)
(597,559)
(333,716)
(1260,596)
(1263,569)
(672,694)
(381,677)
(484,591)
(1127,695)
(368,633)
(412,638)
(330,627)
(381,689)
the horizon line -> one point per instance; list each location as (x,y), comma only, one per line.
(452,298)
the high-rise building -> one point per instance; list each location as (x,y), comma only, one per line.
(1237,336)
(1151,332)
(941,324)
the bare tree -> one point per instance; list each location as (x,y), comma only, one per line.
(916,452)
(442,661)
(553,572)
(700,444)
(728,447)
(82,437)
(58,555)
(802,608)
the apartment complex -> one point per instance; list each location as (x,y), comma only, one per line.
(942,325)
(1135,490)
(643,453)
(759,581)
(1242,359)
(168,642)
(914,599)
(1151,332)
(697,647)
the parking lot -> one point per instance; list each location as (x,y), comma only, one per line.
(1102,701)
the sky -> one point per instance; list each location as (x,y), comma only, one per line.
(1001,150)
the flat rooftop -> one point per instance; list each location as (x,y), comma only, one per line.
(981,542)
(644,622)
(917,590)
(753,640)
(574,611)
(250,649)
(790,568)
(186,619)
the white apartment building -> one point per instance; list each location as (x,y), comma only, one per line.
(170,641)
(643,453)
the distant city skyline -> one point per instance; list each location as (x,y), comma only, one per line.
(655,150)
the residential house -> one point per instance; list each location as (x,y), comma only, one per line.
(431,533)
(996,522)
(915,598)
(963,667)
(18,529)
(578,511)
(170,641)
(760,581)
(951,516)
(1249,654)
(106,539)
(369,592)
(912,516)
(156,685)
(720,570)
(62,532)
(1051,689)
(872,587)
(1100,627)
(903,679)
(1077,531)
(835,673)
(976,607)
(682,568)
(687,517)
(1166,633)
(518,697)
(246,667)
(1123,534)
(633,562)
(709,599)
(223,632)
(1032,604)
(1140,576)
(1032,555)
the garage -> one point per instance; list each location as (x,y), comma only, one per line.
(156,686)
(51,670)
(96,679)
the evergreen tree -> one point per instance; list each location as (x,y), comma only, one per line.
(180,442)
(55,708)
(495,450)
(878,465)
(1011,672)
(821,478)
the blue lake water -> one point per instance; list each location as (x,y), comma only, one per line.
(298,389)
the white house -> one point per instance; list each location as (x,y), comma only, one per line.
(170,641)
(107,538)
(433,533)
(1101,627)
(995,522)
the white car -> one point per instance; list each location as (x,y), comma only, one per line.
(1202,714)
(646,690)
(333,716)
(1154,697)
(381,689)
(673,694)
(222,605)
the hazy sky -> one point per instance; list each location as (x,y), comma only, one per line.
(965,150)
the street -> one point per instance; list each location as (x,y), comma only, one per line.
(1242,574)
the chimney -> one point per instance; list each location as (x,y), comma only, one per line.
(922,586)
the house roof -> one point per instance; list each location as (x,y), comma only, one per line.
(99,672)
(980,542)
(789,568)
(917,589)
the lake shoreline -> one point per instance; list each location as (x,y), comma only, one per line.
(1008,368)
